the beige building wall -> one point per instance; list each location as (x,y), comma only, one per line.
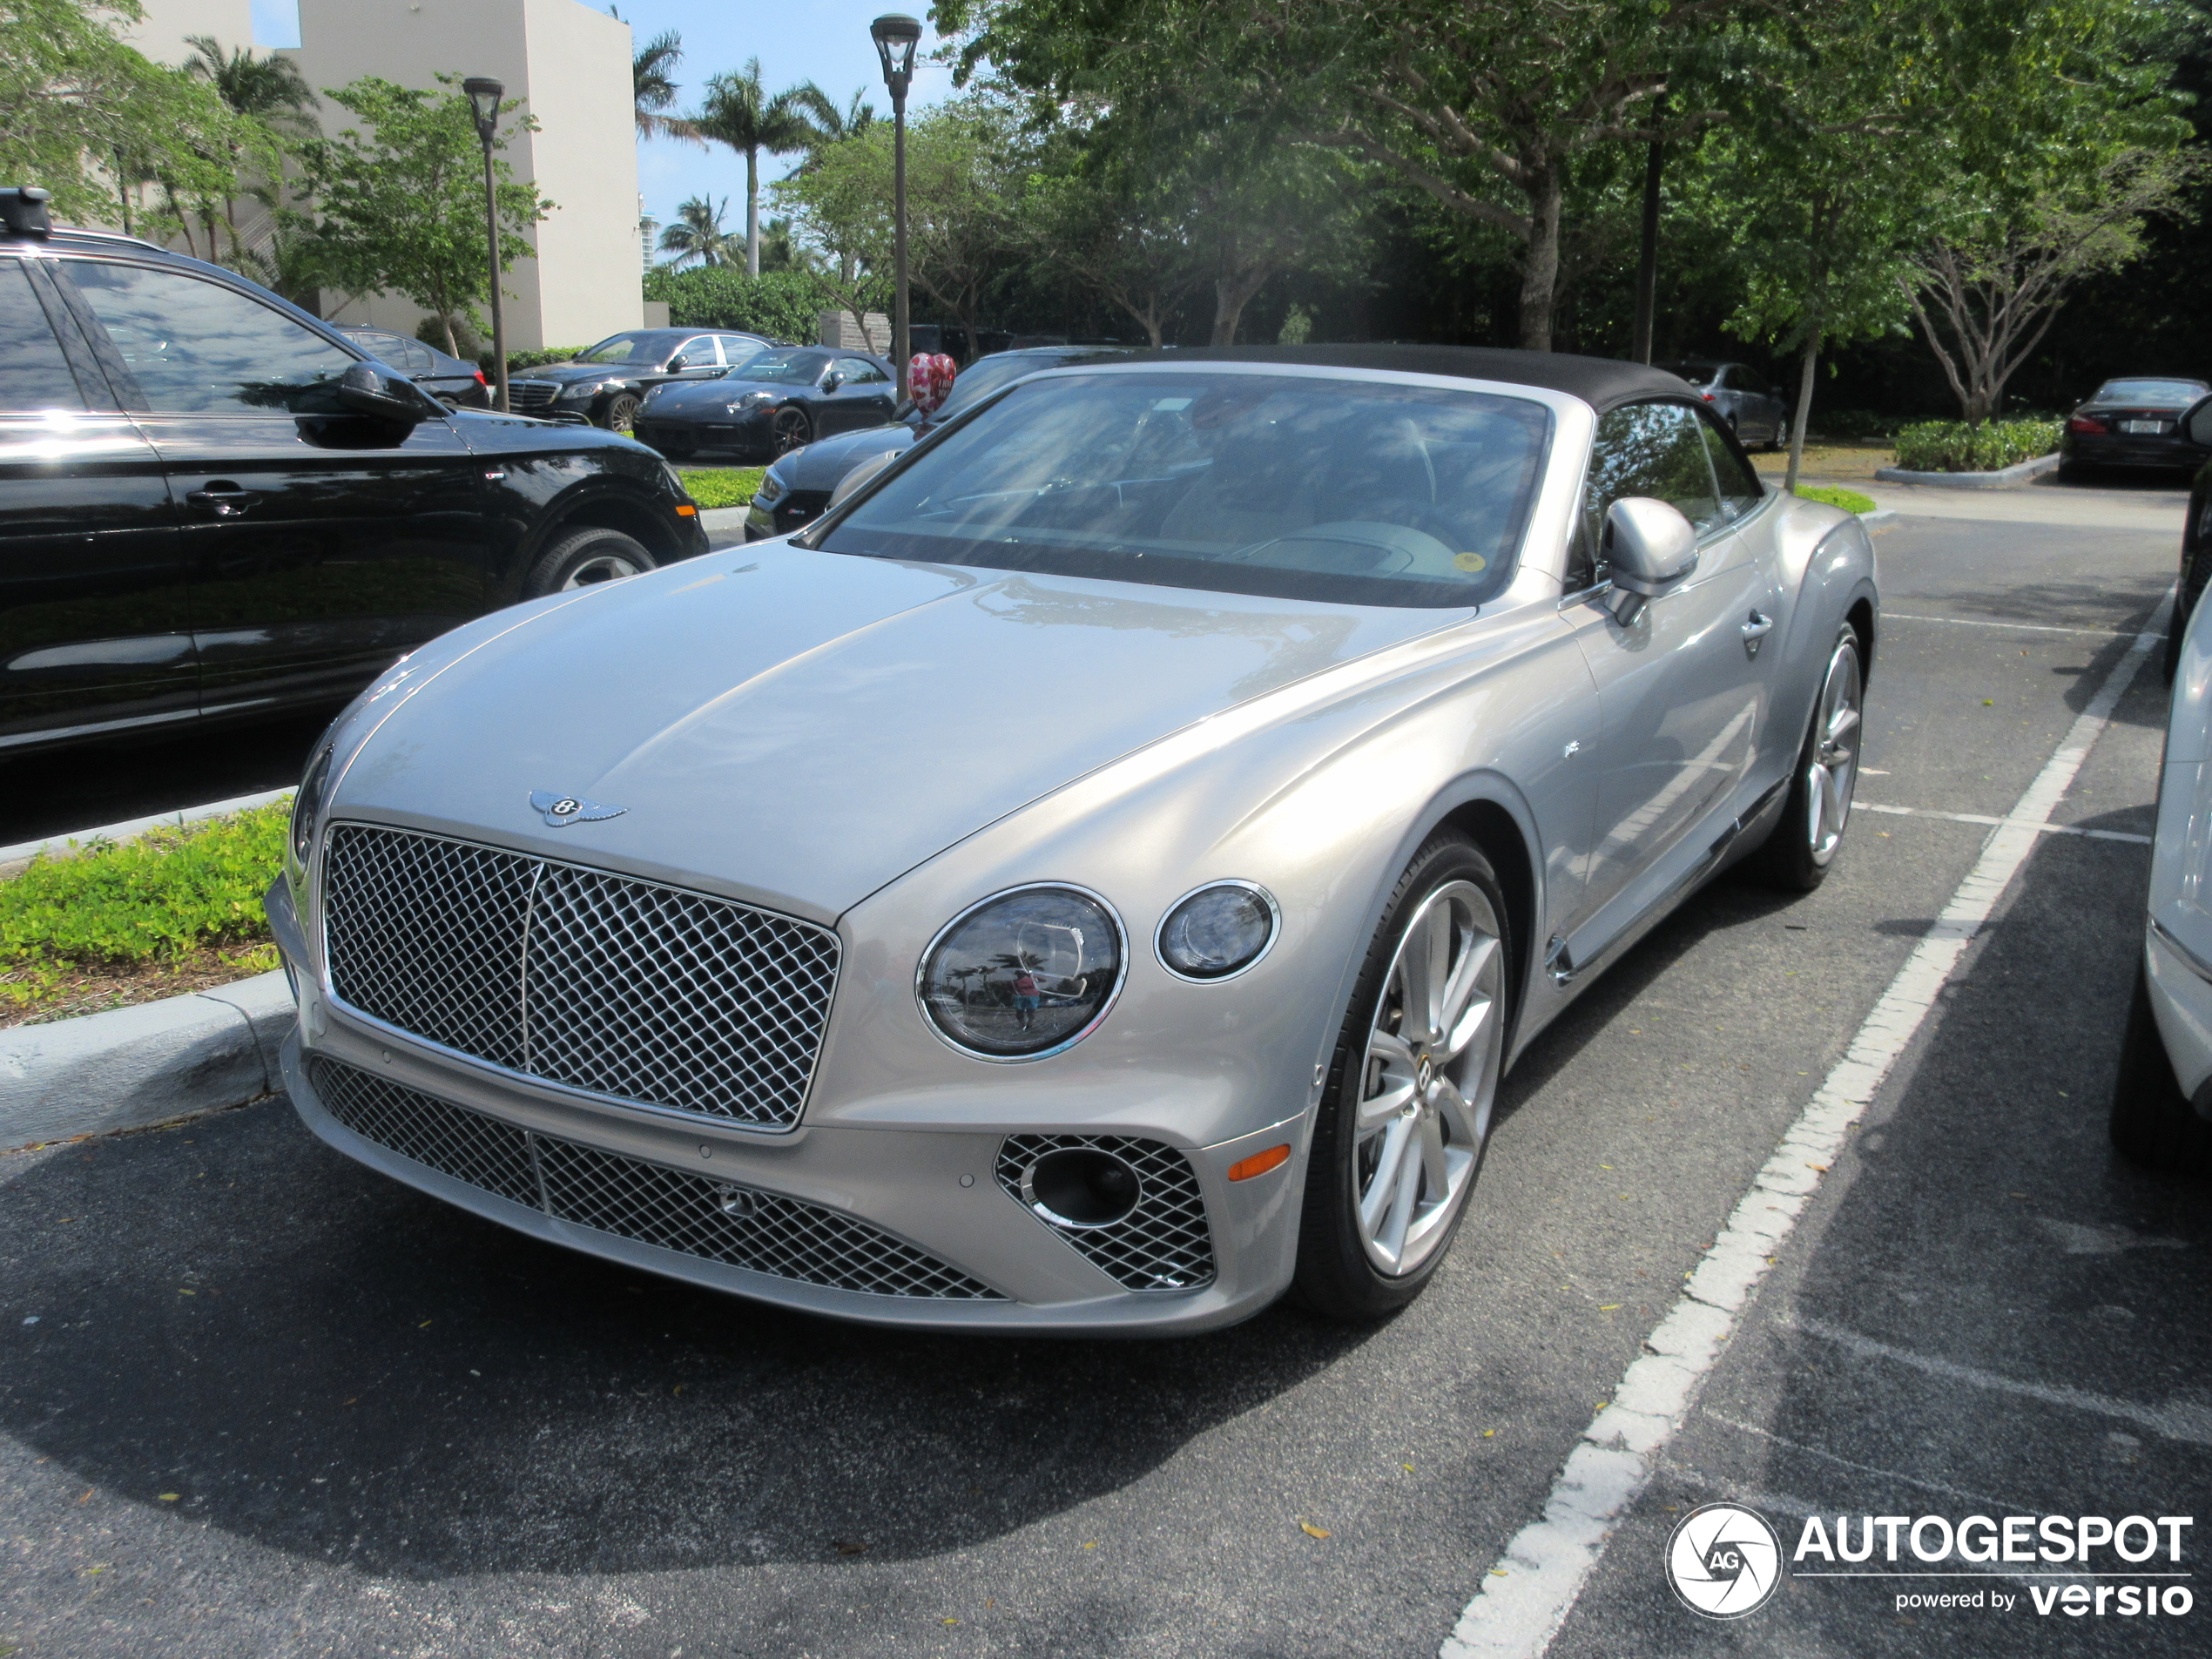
(161,34)
(570,66)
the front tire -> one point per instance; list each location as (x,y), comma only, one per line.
(1802,847)
(1403,1125)
(790,430)
(584,560)
(620,414)
(2152,1122)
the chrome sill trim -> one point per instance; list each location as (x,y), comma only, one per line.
(2190,960)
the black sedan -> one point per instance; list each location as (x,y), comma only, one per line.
(2133,421)
(779,401)
(1740,395)
(212,504)
(798,486)
(606,383)
(453,381)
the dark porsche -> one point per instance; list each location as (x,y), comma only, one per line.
(782,400)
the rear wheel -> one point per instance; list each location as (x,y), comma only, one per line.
(2152,1122)
(584,560)
(1804,845)
(1781,438)
(1401,1131)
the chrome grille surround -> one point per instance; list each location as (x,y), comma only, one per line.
(629,990)
(531,397)
(717,1221)
(1163,1244)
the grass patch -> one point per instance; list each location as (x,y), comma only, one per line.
(714,487)
(173,910)
(1849,500)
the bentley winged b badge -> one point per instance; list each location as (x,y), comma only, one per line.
(561,811)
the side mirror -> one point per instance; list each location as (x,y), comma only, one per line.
(832,381)
(678,364)
(2196,425)
(372,390)
(1649,547)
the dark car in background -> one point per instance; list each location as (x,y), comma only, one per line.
(1742,397)
(212,504)
(799,485)
(779,401)
(2133,421)
(454,382)
(606,383)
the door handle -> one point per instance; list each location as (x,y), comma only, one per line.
(223,498)
(1756,627)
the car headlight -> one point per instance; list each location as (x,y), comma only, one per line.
(772,489)
(1218,932)
(751,400)
(1024,973)
(307,805)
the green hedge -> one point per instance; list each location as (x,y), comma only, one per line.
(166,894)
(1953,446)
(712,487)
(781,304)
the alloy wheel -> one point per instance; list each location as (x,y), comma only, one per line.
(622,414)
(1430,1076)
(1833,770)
(792,431)
(601,567)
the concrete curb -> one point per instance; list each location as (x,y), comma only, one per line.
(13,859)
(2004,478)
(132,1067)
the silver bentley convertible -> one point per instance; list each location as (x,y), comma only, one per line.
(1092,879)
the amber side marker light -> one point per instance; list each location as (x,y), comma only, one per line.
(1260,1163)
(687,511)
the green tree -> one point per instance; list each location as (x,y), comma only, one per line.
(739,112)
(653,87)
(275,107)
(697,234)
(401,208)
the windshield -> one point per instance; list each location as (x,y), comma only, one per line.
(627,349)
(1340,491)
(783,367)
(987,374)
(2150,391)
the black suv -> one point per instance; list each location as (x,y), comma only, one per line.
(212,503)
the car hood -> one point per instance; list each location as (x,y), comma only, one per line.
(821,465)
(800,728)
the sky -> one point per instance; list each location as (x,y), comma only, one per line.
(823,41)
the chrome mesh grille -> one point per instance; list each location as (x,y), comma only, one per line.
(531,397)
(717,1221)
(630,990)
(1163,1244)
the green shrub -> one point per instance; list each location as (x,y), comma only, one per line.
(168,892)
(778,305)
(714,487)
(1849,500)
(519,360)
(1953,446)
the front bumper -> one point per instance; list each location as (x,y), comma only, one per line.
(795,509)
(658,428)
(2180,1000)
(923,1213)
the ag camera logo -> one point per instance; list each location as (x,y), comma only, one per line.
(1724,1561)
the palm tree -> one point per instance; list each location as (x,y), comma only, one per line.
(832,125)
(738,112)
(697,234)
(652,86)
(268,90)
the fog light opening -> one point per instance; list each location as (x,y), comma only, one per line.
(1082,1187)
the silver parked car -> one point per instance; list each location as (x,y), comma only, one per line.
(1094,878)
(1745,399)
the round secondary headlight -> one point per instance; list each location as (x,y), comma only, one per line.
(1218,931)
(307,805)
(1022,974)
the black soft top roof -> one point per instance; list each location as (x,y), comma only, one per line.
(1603,382)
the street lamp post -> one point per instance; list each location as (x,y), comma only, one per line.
(485,94)
(897,38)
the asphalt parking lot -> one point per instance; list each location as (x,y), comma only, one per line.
(254,1398)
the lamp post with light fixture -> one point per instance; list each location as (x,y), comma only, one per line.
(897,38)
(485,94)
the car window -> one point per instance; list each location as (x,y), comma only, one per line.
(857,371)
(34,373)
(788,368)
(1740,489)
(985,375)
(1748,380)
(1653,449)
(698,352)
(626,348)
(1345,491)
(738,351)
(398,350)
(2165,391)
(195,345)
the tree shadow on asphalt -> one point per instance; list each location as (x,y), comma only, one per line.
(329,1364)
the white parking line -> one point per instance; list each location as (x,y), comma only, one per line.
(2026,627)
(1526,1596)
(2178,1419)
(1866,1468)
(1983,818)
